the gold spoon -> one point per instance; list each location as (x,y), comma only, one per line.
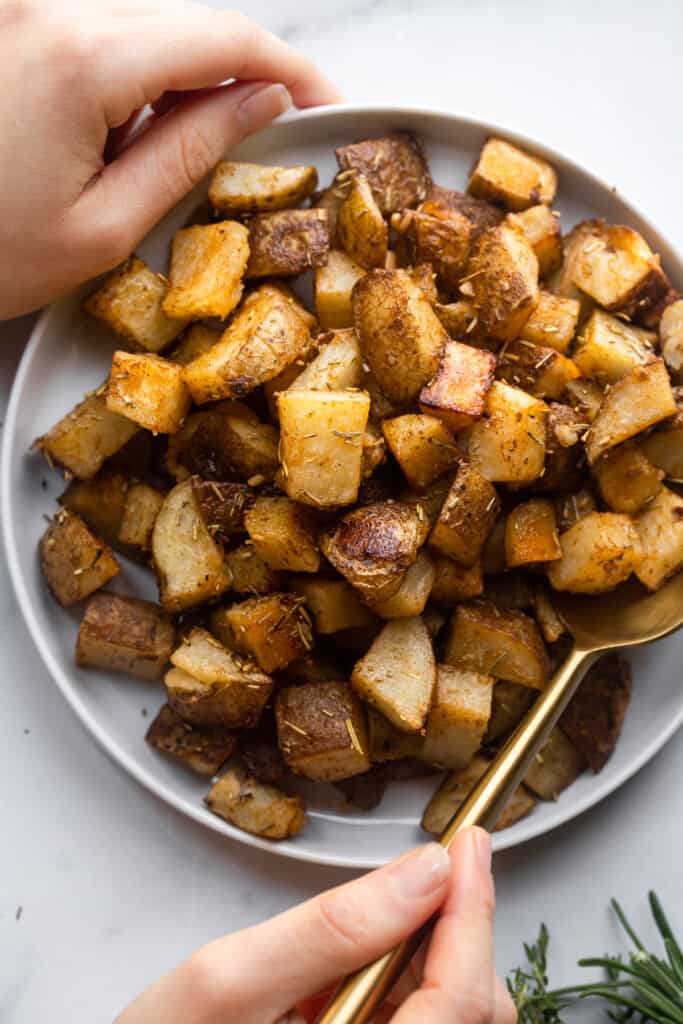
(624,618)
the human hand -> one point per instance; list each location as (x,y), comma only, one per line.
(74,75)
(256,976)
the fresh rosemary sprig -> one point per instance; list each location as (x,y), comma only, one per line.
(529,987)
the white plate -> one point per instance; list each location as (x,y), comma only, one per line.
(68,354)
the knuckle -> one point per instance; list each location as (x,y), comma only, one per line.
(341,921)
(196,157)
(202,979)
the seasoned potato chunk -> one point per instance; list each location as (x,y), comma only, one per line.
(222,507)
(361,229)
(398,673)
(466,518)
(508,444)
(412,596)
(540,371)
(660,529)
(531,534)
(275,629)
(321,731)
(585,396)
(250,574)
(82,440)
(504,643)
(458,391)
(569,508)
(197,340)
(287,242)
(552,323)
(333,286)
(262,810)
(607,348)
(129,301)
(387,743)
(237,188)
(595,714)
(335,605)
(225,444)
(671,336)
(552,626)
(142,506)
(639,400)
(626,479)
(187,560)
(423,447)
(207,264)
(283,534)
(400,335)
(503,272)
(556,766)
(541,226)
(434,234)
(148,390)
(124,634)
(74,562)
(201,749)
(506,174)
(100,501)
(615,266)
(459,318)
(664,447)
(337,366)
(321,445)
(564,457)
(458,718)
(600,551)
(456,788)
(453,582)
(510,703)
(561,281)
(395,167)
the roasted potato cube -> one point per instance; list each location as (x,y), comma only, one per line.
(335,605)
(508,589)
(129,301)
(250,574)
(595,714)
(541,226)
(456,788)
(600,551)
(457,393)
(284,534)
(374,451)
(508,175)
(222,506)
(321,731)
(531,536)
(466,518)
(387,743)
(607,348)
(398,673)
(197,340)
(564,457)
(215,686)
(281,290)
(585,396)
(412,596)
(74,562)
(124,634)
(504,643)
(434,234)
(493,555)
(626,479)
(540,371)
(660,529)
(552,323)
(287,242)
(262,758)
(503,281)
(453,582)
(552,626)
(202,750)
(237,188)
(671,336)
(480,213)
(142,506)
(510,703)
(330,199)
(615,266)
(569,508)
(337,366)
(457,317)
(333,286)
(274,629)
(207,264)
(395,167)
(400,335)
(561,281)
(361,229)
(224,444)
(262,810)
(373,546)
(664,448)
(556,766)
(458,718)
(100,501)
(148,390)
(508,444)
(188,562)
(639,400)
(423,447)
(82,440)
(321,445)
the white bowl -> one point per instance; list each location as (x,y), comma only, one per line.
(68,354)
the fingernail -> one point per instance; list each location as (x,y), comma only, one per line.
(422,872)
(482,847)
(264,105)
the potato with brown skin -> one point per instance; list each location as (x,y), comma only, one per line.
(207,264)
(201,749)
(508,444)
(423,447)
(660,530)
(458,717)
(456,788)
(333,286)
(225,445)
(626,479)
(142,506)
(454,582)
(541,226)
(100,501)
(250,574)
(510,703)
(458,391)
(196,340)
(564,457)
(284,534)
(334,604)
(322,731)
(88,435)
(502,276)
(149,390)
(262,758)
(387,743)
(237,188)
(361,230)
(412,596)
(671,336)
(434,234)
(552,323)
(599,552)
(125,634)
(595,714)
(222,506)
(480,213)
(274,629)
(500,642)
(394,166)
(508,175)
(531,536)
(263,811)
(466,517)
(557,764)
(539,370)
(73,561)
(287,242)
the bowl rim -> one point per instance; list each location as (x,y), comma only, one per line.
(524,830)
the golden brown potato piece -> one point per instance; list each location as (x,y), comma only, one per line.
(540,371)
(626,479)
(458,391)
(321,445)
(395,167)
(335,605)
(338,365)
(287,242)
(224,444)
(250,574)
(531,536)
(423,447)
(508,175)
(249,805)
(552,323)
(142,506)
(207,264)
(508,444)
(556,766)
(197,340)
(330,199)
(595,714)
(361,230)
(222,506)
(284,534)
(201,749)
(398,673)
(237,188)
(504,643)
(374,451)
(600,551)
(275,629)
(671,336)
(82,440)
(503,281)
(552,626)
(188,562)
(387,743)
(333,286)
(453,582)
(564,459)
(373,546)
(400,335)
(412,596)
(129,301)
(607,348)
(74,562)
(148,390)
(457,317)
(466,518)
(660,529)
(458,718)
(321,731)
(124,634)
(434,234)
(541,225)
(454,790)
(510,703)
(100,501)
(569,508)
(585,396)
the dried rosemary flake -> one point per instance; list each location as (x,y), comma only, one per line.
(355,743)
(296,728)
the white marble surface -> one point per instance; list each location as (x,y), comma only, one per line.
(103,887)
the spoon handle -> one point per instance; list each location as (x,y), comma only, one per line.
(362,992)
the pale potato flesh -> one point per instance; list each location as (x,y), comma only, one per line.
(458,718)
(337,366)
(660,530)
(598,552)
(237,187)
